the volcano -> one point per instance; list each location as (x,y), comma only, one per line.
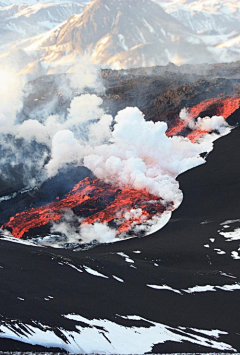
(94,201)
(186,264)
(130,296)
(156,39)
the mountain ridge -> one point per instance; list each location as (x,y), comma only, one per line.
(119,34)
(20,21)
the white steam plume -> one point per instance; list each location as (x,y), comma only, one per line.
(11,96)
(139,154)
(125,151)
(134,153)
(86,75)
(209,124)
(31,141)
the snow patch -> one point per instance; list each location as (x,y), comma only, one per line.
(126,257)
(231,236)
(207,288)
(104,336)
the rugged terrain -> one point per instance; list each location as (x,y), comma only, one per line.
(80,176)
(179,286)
(159,92)
(206,17)
(177,289)
(130,34)
(23,20)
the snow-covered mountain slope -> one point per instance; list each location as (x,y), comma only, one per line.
(123,34)
(204,22)
(216,22)
(21,21)
(32,2)
(117,33)
(206,16)
(211,6)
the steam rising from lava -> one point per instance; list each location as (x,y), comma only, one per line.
(141,155)
(11,96)
(125,152)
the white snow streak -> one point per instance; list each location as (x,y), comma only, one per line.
(164,287)
(94,272)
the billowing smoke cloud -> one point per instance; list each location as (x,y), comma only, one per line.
(134,153)
(27,146)
(215,123)
(85,75)
(126,151)
(80,233)
(11,95)
(13,149)
(208,124)
(139,154)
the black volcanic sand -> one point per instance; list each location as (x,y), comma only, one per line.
(211,196)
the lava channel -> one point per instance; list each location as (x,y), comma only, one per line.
(224,107)
(94,201)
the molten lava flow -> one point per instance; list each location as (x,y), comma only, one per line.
(196,134)
(179,127)
(36,217)
(217,106)
(222,107)
(95,200)
(125,200)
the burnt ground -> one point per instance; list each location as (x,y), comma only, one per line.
(159,92)
(176,256)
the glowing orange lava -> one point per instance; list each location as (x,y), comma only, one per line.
(219,106)
(196,134)
(224,107)
(102,202)
(96,201)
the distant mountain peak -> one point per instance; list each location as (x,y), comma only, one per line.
(29,18)
(120,34)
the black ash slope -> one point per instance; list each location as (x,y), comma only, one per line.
(176,256)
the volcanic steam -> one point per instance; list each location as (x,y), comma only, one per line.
(135,163)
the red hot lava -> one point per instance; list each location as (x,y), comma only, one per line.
(99,201)
(95,201)
(217,106)
(223,107)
